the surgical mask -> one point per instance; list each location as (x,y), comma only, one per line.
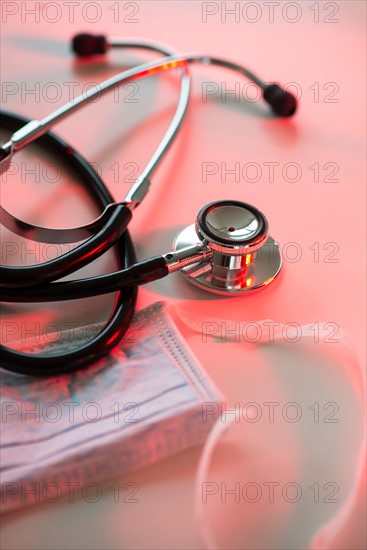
(138,405)
(285,462)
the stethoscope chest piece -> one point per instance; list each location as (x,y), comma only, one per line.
(244,257)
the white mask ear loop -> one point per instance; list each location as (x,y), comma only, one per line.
(328,530)
(214,436)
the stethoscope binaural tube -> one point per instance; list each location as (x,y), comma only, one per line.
(281,101)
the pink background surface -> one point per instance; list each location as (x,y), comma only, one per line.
(326,56)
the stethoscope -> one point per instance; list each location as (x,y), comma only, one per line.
(227,251)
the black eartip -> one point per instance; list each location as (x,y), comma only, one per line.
(283,103)
(89,44)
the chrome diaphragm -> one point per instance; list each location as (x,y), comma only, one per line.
(244,257)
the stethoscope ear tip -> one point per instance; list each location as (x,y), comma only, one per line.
(283,103)
(84,44)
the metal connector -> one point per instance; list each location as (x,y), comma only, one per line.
(6,153)
(187,256)
(137,192)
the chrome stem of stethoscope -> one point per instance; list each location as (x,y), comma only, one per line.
(35,129)
(187,256)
